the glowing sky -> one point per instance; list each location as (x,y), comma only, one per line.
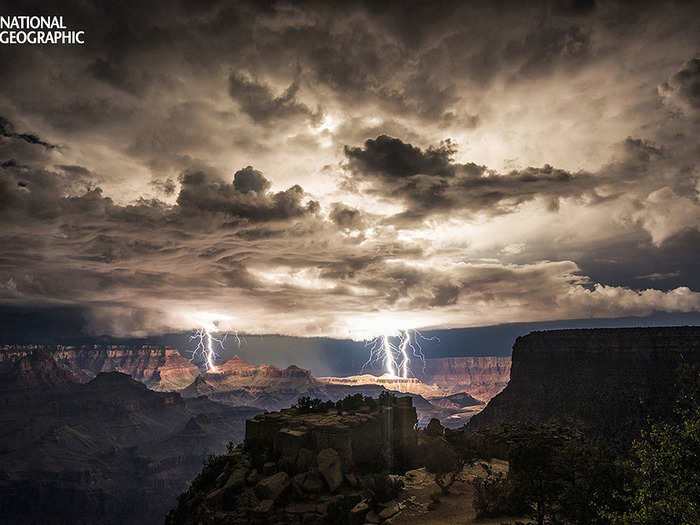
(299,169)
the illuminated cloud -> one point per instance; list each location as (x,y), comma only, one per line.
(312,169)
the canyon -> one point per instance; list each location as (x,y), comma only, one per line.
(481,377)
(119,430)
(237,382)
(108,450)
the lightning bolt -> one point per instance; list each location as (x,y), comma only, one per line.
(207,347)
(396,356)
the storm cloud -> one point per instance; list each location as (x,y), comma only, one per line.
(316,169)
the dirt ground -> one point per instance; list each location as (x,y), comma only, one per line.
(454,508)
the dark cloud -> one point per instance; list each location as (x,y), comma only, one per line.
(429,181)
(249,179)
(7,130)
(259,103)
(389,157)
(347,216)
(244,198)
(683,88)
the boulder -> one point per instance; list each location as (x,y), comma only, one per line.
(358,512)
(268,468)
(372,517)
(305,459)
(330,468)
(264,507)
(352,480)
(214,494)
(308,482)
(272,486)
(252,477)
(236,479)
(390,509)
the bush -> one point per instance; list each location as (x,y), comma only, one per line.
(442,461)
(667,484)
(494,496)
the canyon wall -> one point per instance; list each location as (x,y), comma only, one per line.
(605,381)
(481,377)
(159,367)
(107,451)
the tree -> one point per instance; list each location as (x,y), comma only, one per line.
(441,461)
(668,469)
(535,476)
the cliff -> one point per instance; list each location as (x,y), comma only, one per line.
(481,377)
(236,382)
(316,465)
(607,382)
(159,367)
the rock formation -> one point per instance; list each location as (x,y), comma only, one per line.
(481,377)
(456,401)
(311,466)
(397,384)
(159,367)
(237,383)
(604,381)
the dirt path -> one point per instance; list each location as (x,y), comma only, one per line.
(454,508)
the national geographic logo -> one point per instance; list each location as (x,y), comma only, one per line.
(37,30)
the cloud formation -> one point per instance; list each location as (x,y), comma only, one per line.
(338,170)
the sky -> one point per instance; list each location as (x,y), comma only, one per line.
(344,170)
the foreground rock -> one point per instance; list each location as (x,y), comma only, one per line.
(331,467)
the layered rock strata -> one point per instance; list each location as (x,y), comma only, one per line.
(159,367)
(481,377)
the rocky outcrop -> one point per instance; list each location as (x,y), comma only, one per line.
(320,465)
(364,438)
(159,367)
(481,377)
(605,381)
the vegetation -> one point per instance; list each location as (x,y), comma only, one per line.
(494,495)
(351,403)
(439,458)
(559,478)
(667,481)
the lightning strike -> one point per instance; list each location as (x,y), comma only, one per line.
(396,356)
(207,344)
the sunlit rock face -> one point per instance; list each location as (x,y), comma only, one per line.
(481,377)
(607,381)
(237,383)
(159,367)
(399,384)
